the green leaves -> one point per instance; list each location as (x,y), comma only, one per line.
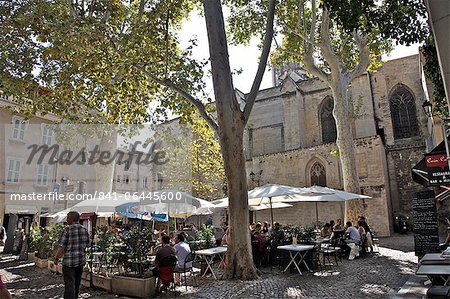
(433,73)
(194,157)
(403,21)
(82,54)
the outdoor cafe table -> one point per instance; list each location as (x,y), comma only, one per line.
(298,249)
(208,255)
(434,259)
(435,270)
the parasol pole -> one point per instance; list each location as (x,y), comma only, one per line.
(271,210)
(317,213)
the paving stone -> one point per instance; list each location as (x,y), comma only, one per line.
(375,276)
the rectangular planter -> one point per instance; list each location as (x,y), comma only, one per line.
(52,266)
(86,275)
(85,283)
(101,282)
(31,256)
(42,263)
(86,279)
(136,287)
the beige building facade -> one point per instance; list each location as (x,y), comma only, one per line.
(19,176)
(290,139)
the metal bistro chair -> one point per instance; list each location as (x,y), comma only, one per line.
(165,275)
(327,252)
(313,258)
(188,260)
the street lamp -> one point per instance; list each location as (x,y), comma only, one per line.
(64,182)
(428,108)
(252,176)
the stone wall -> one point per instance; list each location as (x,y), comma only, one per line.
(293,168)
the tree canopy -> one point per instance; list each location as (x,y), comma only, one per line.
(103,61)
(78,59)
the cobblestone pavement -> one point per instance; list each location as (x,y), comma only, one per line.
(376,276)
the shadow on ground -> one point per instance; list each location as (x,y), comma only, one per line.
(379,275)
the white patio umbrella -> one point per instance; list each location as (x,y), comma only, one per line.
(223,203)
(264,206)
(57,217)
(272,193)
(329,194)
(176,204)
(103,204)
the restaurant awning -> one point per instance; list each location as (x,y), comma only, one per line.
(20,209)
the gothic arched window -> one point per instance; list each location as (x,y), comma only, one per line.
(318,175)
(329,132)
(403,113)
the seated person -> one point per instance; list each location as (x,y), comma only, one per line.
(352,233)
(338,225)
(368,236)
(258,244)
(182,250)
(362,233)
(332,224)
(225,238)
(326,230)
(158,245)
(164,261)
(266,228)
(353,240)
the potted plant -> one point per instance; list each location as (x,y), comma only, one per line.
(205,237)
(138,282)
(54,234)
(35,235)
(40,241)
(307,235)
(106,241)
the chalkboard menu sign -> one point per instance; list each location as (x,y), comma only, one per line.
(426,236)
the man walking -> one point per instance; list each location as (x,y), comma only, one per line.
(72,246)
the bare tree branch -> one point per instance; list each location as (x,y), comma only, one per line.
(310,66)
(308,56)
(325,44)
(302,36)
(194,101)
(364,56)
(262,61)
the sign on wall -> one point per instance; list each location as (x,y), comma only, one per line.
(433,169)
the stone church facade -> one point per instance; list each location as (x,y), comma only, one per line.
(290,139)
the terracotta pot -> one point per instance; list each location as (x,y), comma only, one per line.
(59,268)
(41,263)
(51,266)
